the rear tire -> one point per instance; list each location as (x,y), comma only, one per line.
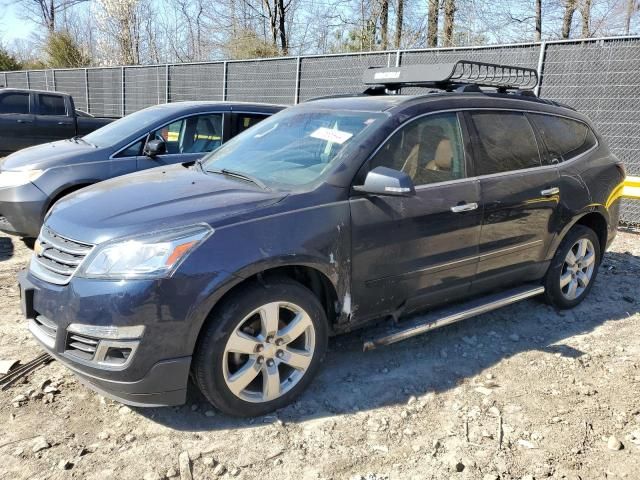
(261,348)
(573,269)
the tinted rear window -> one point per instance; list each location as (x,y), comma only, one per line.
(14,103)
(52,105)
(564,138)
(505,142)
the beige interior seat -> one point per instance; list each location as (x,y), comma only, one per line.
(443,158)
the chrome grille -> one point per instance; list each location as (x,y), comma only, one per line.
(57,258)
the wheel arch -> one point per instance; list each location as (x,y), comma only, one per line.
(310,276)
(596,219)
(67,190)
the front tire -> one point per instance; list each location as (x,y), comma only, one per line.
(573,269)
(261,348)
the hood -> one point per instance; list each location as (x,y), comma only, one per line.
(154,199)
(40,157)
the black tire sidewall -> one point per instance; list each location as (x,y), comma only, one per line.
(553,292)
(209,355)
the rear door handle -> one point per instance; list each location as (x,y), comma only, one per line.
(465,207)
(550,191)
(25,121)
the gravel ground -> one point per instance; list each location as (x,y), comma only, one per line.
(525,392)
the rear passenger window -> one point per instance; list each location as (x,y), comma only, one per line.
(52,105)
(428,149)
(247,120)
(564,138)
(14,103)
(505,142)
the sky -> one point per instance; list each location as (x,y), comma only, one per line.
(12,27)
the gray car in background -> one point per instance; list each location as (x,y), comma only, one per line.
(34,179)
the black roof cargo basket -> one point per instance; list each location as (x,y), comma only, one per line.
(451,76)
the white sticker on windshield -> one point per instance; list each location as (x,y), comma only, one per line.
(332,135)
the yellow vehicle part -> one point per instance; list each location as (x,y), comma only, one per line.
(631,188)
(628,188)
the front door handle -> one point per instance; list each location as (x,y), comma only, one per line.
(550,191)
(25,121)
(465,207)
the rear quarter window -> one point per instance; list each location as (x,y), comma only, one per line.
(52,105)
(563,137)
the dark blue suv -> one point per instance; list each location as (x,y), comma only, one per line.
(323,218)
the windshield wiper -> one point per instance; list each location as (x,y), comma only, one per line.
(240,175)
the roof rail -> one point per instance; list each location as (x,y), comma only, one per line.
(451,76)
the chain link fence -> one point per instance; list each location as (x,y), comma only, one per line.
(599,77)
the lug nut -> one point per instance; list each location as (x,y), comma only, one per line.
(259,348)
(260,360)
(270,363)
(279,342)
(270,339)
(279,354)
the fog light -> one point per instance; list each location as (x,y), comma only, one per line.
(108,347)
(117,355)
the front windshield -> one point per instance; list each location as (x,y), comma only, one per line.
(121,129)
(294,147)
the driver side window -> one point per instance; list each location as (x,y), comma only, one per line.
(196,134)
(429,150)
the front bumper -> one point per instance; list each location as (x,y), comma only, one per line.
(158,372)
(22,210)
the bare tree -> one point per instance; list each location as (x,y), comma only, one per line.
(120,23)
(43,12)
(399,21)
(384,24)
(569,9)
(538,34)
(449,17)
(432,26)
(282,25)
(585,10)
(632,7)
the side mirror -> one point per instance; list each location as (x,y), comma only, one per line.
(387,181)
(155,147)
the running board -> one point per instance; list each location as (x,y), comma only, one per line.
(449,315)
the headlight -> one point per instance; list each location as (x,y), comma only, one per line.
(15,179)
(146,256)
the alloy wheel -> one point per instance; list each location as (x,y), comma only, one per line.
(269,352)
(578,268)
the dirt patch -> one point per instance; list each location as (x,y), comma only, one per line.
(524,392)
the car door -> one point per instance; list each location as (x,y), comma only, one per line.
(417,251)
(16,121)
(520,197)
(186,139)
(53,120)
